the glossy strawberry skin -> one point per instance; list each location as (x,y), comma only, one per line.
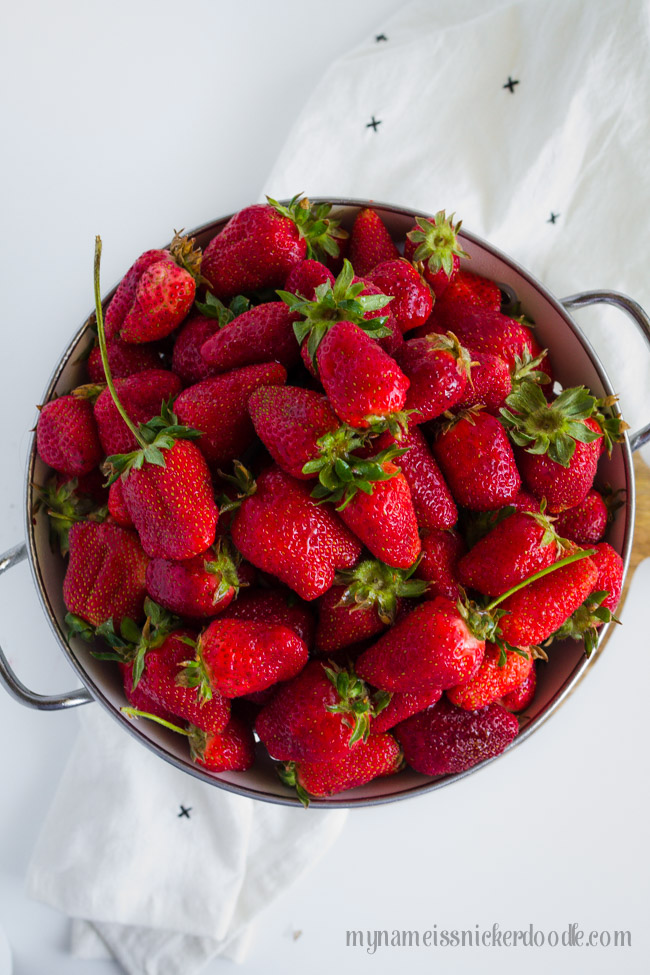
(436,383)
(563,487)
(412,300)
(264,333)
(296,724)
(445,739)
(142,396)
(482,330)
(241,656)
(401,706)
(232,750)
(173,507)
(370,242)
(430,647)
(67,438)
(378,756)
(124,360)
(139,698)
(610,574)
(432,500)
(289,420)
(116,507)
(162,668)
(536,612)
(478,463)
(187,587)
(278,606)
(491,681)
(359,378)
(304,278)
(256,249)
(473,289)
(105,578)
(507,555)
(385,520)
(584,523)
(187,361)
(218,407)
(438,565)
(490,385)
(341,626)
(163,297)
(522,696)
(125,293)
(283,531)
(439,280)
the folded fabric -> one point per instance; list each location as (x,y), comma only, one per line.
(528,119)
(166,870)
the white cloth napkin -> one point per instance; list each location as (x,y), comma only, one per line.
(513,115)
(161,889)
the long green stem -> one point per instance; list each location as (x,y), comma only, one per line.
(135,713)
(583,554)
(101,335)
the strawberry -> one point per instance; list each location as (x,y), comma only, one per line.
(66,436)
(278,606)
(117,508)
(402,705)
(203,585)
(412,300)
(438,565)
(483,331)
(434,243)
(445,739)
(218,408)
(433,503)
(362,602)
(477,524)
(500,673)
(105,577)
(522,696)
(124,296)
(283,531)
(66,504)
(262,334)
(370,242)
(362,383)
(142,395)
(138,696)
(236,657)
(379,755)
(477,461)
(187,361)
(518,546)
(125,360)
(610,573)
(230,750)
(260,245)
(289,421)
(430,647)
(474,290)
(318,716)
(437,368)
(492,381)
(585,522)
(599,605)
(304,278)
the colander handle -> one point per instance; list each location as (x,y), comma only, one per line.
(641,319)
(42,702)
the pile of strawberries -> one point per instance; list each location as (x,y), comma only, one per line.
(327,496)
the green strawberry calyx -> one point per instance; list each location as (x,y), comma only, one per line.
(244,485)
(195,673)
(64,506)
(355,701)
(373,584)
(185,252)
(451,344)
(437,242)
(213,308)
(222,560)
(549,536)
(525,369)
(342,473)
(341,302)
(314,224)
(288,774)
(583,624)
(197,738)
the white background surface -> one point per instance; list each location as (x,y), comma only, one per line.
(130,119)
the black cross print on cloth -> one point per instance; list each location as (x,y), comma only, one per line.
(185,812)
(381,37)
(510,85)
(373,124)
(553,217)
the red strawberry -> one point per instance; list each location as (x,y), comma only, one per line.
(283,531)
(318,716)
(197,587)
(391,342)
(402,705)
(187,361)
(124,360)
(289,421)
(473,289)
(437,368)
(522,696)
(262,334)
(412,300)
(138,697)
(125,294)
(432,501)
(260,245)
(490,383)
(105,577)
(218,408)
(585,522)
(67,437)
(363,602)
(500,673)
(233,750)
(304,278)
(434,243)
(521,544)
(279,606)
(438,565)
(599,605)
(477,462)
(370,242)
(429,647)
(236,657)
(117,509)
(360,379)
(379,755)
(483,331)
(610,574)
(445,739)
(142,396)
(66,503)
